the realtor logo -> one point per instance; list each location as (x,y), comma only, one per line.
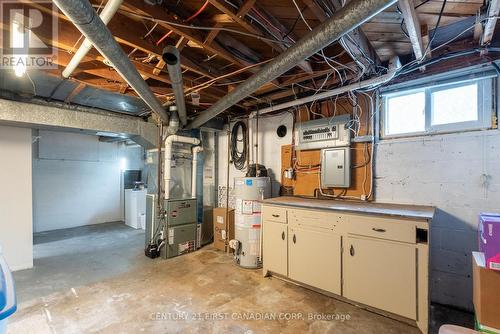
(26,30)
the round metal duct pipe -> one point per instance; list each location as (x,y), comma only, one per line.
(85,18)
(172,57)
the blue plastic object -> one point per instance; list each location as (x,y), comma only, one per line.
(8,303)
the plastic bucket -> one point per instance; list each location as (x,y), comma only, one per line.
(8,304)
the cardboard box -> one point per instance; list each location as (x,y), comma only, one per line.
(486,288)
(489,239)
(223,228)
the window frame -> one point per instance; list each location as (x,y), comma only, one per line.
(485,107)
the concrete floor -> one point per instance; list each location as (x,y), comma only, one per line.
(96,279)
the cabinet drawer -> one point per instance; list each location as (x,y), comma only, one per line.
(274,213)
(316,219)
(383,228)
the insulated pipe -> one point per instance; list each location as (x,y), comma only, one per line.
(167,175)
(85,18)
(320,96)
(195,150)
(340,23)
(172,57)
(107,13)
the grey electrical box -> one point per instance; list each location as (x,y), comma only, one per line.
(336,167)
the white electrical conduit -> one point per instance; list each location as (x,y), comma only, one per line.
(195,150)
(107,13)
(337,91)
(168,158)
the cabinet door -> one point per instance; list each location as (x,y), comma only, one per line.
(274,247)
(381,274)
(314,258)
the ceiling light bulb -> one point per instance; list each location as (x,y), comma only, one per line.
(18,32)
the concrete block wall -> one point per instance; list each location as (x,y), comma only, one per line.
(459,174)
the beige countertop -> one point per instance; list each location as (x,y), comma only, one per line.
(400,210)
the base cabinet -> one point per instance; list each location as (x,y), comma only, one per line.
(275,241)
(381,274)
(314,258)
(378,260)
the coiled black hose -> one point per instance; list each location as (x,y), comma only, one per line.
(239,158)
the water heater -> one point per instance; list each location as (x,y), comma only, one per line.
(248,191)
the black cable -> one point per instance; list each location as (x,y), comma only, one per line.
(436,28)
(402,29)
(446,56)
(239,158)
(422,3)
(403,20)
(294,24)
(55,89)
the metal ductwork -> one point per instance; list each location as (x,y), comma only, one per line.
(85,18)
(172,57)
(107,13)
(340,23)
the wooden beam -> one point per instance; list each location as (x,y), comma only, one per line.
(279,93)
(232,43)
(491,21)
(478,28)
(212,34)
(244,9)
(298,78)
(239,19)
(358,43)
(68,35)
(140,7)
(75,92)
(413,27)
(125,32)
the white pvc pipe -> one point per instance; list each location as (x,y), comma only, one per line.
(195,150)
(167,175)
(107,13)
(337,91)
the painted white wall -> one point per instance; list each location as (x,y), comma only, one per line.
(15,197)
(460,175)
(77,180)
(269,149)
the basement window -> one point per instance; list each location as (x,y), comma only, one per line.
(449,107)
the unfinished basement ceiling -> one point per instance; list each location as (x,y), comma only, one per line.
(51,87)
(237,39)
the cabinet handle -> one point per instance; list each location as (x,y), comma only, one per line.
(378,230)
(283,236)
(351,250)
(275,215)
(294,239)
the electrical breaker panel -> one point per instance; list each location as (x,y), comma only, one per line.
(336,167)
(323,133)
